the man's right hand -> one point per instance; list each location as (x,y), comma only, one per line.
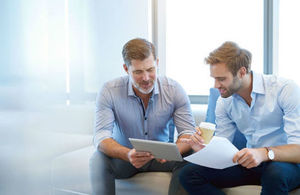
(139,159)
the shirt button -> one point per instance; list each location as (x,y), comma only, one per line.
(146,133)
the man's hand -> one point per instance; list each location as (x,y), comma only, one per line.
(195,141)
(250,157)
(161,160)
(139,159)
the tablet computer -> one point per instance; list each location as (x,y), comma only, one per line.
(162,150)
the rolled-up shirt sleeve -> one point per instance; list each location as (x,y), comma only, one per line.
(289,100)
(104,116)
(183,117)
(225,127)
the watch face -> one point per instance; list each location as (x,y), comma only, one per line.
(271,154)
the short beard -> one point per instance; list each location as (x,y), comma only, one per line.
(140,89)
(235,87)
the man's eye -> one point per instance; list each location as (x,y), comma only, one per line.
(137,72)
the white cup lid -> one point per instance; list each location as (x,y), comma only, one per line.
(207,125)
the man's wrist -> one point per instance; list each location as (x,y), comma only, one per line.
(270,153)
(265,154)
(183,147)
(127,154)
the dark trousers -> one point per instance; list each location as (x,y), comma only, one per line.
(274,177)
(104,170)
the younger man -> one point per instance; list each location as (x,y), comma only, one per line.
(266,109)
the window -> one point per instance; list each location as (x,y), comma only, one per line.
(194,28)
(63,51)
(289,40)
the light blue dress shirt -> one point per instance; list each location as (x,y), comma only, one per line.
(272,119)
(120,114)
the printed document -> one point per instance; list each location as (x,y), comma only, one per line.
(218,154)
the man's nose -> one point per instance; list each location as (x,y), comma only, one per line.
(217,84)
(146,76)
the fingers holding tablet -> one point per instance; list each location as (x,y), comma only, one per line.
(139,159)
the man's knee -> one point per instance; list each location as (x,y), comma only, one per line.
(175,187)
(95,158)
(184,174)
(99,161)
(275,176)
(120,169)
(189,172)
(101,177)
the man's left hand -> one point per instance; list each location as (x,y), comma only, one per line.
(250,157)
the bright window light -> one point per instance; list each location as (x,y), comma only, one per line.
(195,28)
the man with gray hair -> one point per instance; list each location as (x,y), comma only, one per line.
(139,105)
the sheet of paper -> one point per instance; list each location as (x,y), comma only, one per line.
(217,154)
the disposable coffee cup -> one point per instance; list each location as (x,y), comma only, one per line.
(207,131)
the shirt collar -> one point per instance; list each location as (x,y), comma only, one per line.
(258,84)
(130,89)
(155,89)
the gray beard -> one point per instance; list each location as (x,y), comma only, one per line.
(140,89)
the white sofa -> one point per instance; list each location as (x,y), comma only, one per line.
(70,171)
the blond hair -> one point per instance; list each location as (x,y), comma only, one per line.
(232,55)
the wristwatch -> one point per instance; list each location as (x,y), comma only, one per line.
(271,154)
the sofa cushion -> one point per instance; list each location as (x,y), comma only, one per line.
(70,171)
(212,100)
(148,183)
(251,190)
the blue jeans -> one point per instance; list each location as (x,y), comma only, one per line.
(104,170)
(274,177)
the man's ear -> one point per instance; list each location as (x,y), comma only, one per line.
(125,68)
(242,72)
(157,60)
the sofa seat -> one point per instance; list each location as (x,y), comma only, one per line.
(251,190)
(70,172)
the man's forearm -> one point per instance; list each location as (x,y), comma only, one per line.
(287,153)
(113,149)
